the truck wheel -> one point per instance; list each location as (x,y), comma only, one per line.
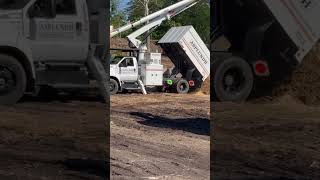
(114,87)
(182,86)
(13,80)
(233,79)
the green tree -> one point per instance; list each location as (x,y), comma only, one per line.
(118,17)
(198,16)
(135,9)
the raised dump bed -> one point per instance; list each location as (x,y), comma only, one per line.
(258,44)
(188,53)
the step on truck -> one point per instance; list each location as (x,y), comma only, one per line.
(255,44)
(186,50)
(50,43)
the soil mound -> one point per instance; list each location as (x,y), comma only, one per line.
(205,89)
(304,84)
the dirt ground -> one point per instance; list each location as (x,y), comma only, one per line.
(160,136)
(64,138)
(278,139)
(304,84)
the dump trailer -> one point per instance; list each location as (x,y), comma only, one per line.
(48,43)
(256,44)
(189,54)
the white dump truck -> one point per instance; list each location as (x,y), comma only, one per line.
(188,53)
(60,44)
(255,44)
(190,57)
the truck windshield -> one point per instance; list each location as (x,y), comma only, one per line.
(13,4)
(116,60)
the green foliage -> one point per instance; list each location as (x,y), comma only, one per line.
(197,16)
(118,17)
(135,9)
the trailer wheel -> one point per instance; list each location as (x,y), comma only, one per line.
(233,79)
(13,81)
(114,87)
(182,87)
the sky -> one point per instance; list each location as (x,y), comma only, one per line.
(123,4)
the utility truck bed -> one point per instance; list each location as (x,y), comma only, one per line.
(186,50)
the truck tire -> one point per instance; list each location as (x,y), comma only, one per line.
(182,87)
(114,87)
(13,80)
(233,79)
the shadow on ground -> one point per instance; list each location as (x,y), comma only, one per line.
(61,98)
(200,126)
(93,167)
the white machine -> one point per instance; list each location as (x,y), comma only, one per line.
(152,70)
(187,51)
(149,70)
(60,44)
(153,20)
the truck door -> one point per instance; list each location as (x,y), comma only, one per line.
(128,70)
(64,36)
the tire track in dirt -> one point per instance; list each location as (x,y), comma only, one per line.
(44,140)
(156,136)
(268,140)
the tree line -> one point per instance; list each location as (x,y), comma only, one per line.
(198,16)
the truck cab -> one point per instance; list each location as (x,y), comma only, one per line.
(123,70)
(45,43)
(59,33)
(129,73)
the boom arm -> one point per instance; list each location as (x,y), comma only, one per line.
(154,20)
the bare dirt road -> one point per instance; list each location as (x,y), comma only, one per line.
(266,140)
(160,136)
(59,139)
